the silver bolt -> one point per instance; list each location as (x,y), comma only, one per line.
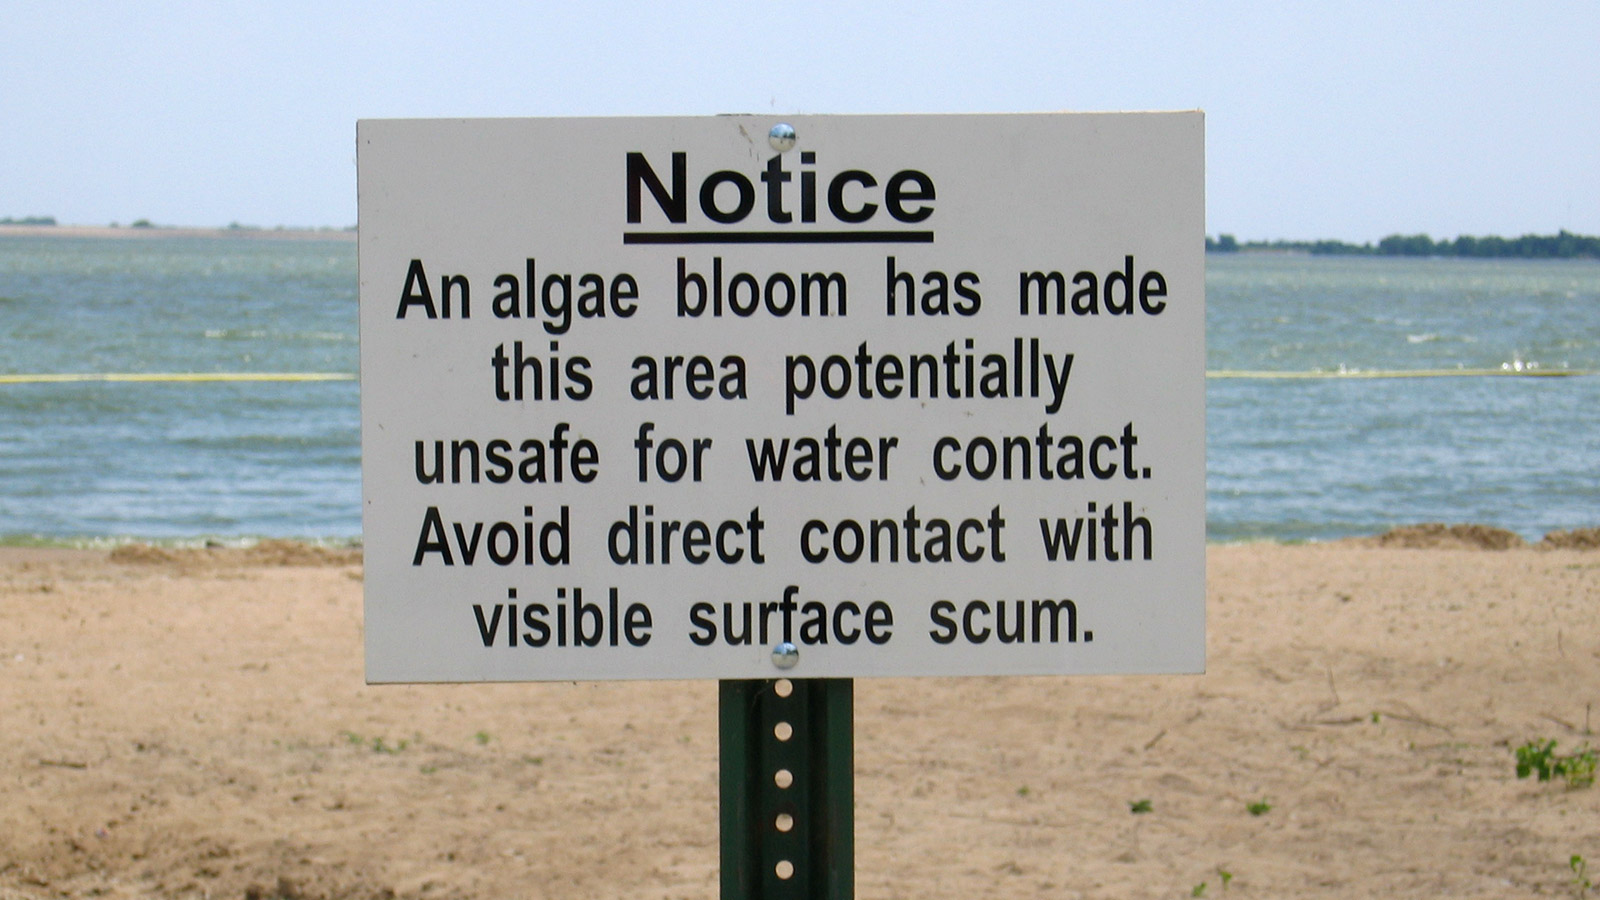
(781,137)
(785,655)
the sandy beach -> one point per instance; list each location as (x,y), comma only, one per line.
(195,724)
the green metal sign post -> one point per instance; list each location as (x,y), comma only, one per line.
(787,789)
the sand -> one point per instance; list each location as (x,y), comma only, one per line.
(194,724)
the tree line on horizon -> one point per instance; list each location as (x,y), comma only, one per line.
(1563,245)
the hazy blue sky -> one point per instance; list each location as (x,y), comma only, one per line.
(1347,120)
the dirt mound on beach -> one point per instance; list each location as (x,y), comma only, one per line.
(1438,536)
(1576,539)
(265,553)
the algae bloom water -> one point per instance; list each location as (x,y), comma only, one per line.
(1287,458)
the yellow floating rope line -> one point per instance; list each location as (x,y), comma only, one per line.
(1401,373)
(190,377)
(1257,374)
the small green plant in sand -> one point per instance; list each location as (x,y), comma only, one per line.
(378,744)
(1223,875)
(1259,807)
(1541,760)
(481,737)
(1580,876)
(1138,807)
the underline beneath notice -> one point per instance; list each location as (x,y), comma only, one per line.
(777,237)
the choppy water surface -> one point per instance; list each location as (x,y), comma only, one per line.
(1291,459)
(177,460)
(1288,459)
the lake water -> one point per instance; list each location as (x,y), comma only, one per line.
(1319,458)
(1288,459)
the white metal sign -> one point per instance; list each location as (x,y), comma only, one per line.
(912,395)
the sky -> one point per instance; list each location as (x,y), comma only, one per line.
(1323,120)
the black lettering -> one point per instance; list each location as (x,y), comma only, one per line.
(836,196)
(673,204)
(944,627)
(700,616)
(415,292)
(896,194)
(742,186)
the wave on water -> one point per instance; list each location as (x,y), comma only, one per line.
(256,334)
(1435,338)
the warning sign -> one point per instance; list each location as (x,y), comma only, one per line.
(907,395)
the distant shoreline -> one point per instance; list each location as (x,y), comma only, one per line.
(147,233)
(1562,245)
